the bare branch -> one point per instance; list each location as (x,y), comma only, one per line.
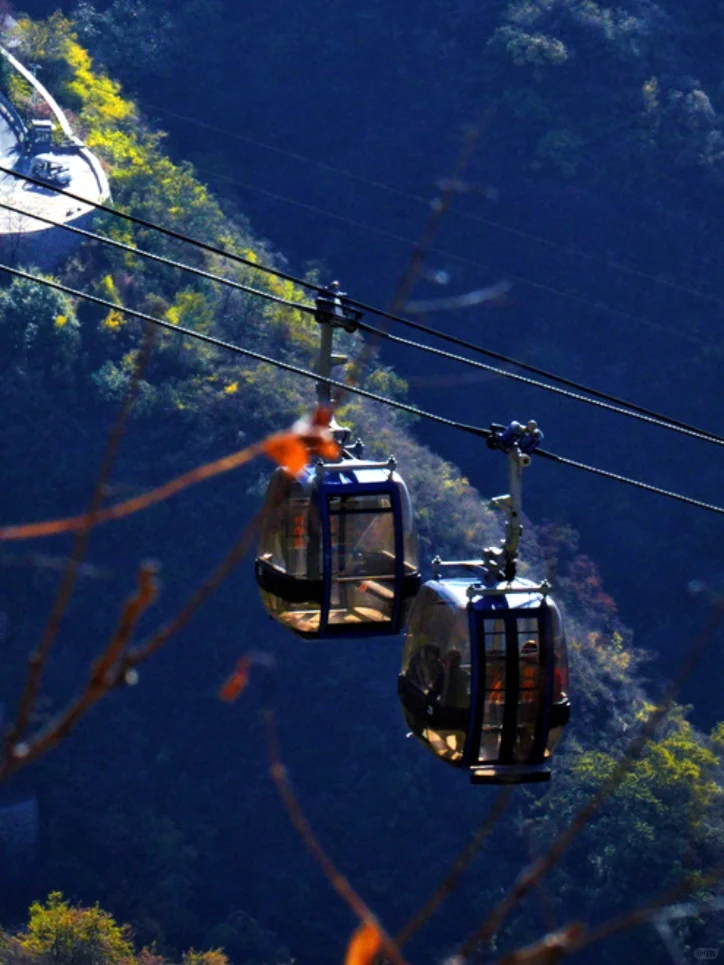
(446,886)
(530,875)
(100,682)
(575,936)
(371,924)
(547,950)
(419,252)
(39,658)
(136,656)
(295,444)
(438,209)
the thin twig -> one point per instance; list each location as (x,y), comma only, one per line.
(545,903)
(438,210)
(420,250)
(575,936)
(446,886)
(312,439)
(300,821)
(546,950)
(645,912)
(101,680)
(668,939)
(530,875)
(39,658)
(116,665)
(212,582)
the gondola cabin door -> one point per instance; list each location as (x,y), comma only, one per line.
(514,667)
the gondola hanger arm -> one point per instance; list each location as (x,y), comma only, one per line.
(517,441)
(332,312)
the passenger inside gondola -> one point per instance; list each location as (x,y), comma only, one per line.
(440,671)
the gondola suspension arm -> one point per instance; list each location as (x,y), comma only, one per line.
(332,312)
(518,442)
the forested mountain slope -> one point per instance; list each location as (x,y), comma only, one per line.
(603,136)
(160,806)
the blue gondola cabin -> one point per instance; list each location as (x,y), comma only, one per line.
(484,679)
(338,550)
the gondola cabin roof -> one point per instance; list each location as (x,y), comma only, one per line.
(518,594)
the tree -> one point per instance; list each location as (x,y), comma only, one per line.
(72,935)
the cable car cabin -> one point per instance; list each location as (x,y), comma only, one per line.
(338,550)
(484,678)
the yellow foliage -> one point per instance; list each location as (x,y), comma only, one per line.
(108,289)
(214,956)
(646,710)
(650,93)
(455,485)
(113,321)
(677,763)
(232,388)
(64,934)
(717,735)
(99,95)
(118,148)
(61,321)
(18,88)
(619,660)
(192,310)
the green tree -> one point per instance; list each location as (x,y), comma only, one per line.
(63,934)
(38,327)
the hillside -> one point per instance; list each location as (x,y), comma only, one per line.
(160,807)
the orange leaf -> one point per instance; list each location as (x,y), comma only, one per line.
(323,446)
(287,449)
(236,683)
(364,945)
(308,437)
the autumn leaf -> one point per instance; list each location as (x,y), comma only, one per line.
(364,945)
(236,683)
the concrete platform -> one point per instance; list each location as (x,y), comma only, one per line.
(24,238)
(46,201)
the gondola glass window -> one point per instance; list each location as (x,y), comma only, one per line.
(484,679)
(338,550)
(437,670)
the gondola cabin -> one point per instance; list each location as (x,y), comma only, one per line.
(484,677)
(338,550)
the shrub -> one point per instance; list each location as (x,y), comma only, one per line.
(69,935)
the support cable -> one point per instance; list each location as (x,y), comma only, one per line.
(168,232)
(617,477)
(231,347)
(162,260)
(523,280)
(656,420)
(610,402)
(306,373)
